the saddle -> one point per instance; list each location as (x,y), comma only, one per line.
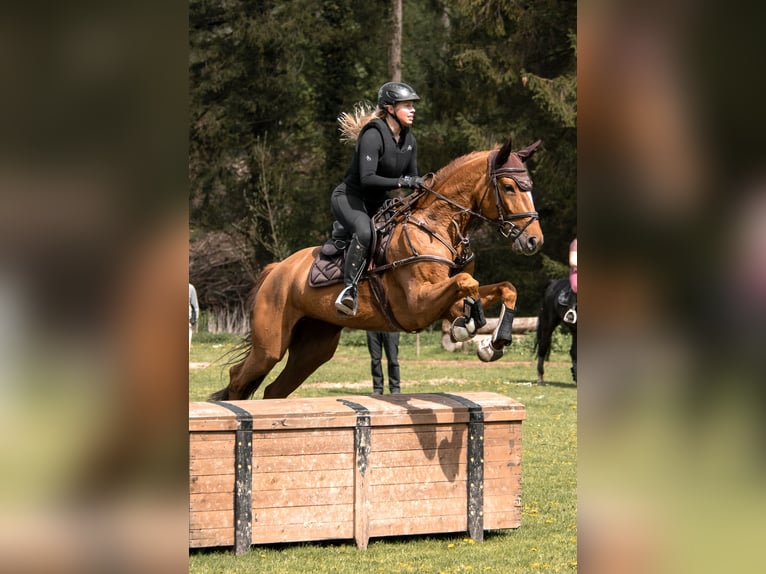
(566,298)
(327,268)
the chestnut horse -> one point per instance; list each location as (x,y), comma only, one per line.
(423,275)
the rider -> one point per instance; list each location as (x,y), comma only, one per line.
(385,158)
(571,315)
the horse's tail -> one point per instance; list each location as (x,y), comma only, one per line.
(238,353)
(540,338)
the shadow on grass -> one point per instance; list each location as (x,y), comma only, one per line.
(340,542)
(571,385)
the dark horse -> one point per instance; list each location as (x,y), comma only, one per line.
(422,275)
(551,315)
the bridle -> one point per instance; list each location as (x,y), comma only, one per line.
(505,220)
(399,211)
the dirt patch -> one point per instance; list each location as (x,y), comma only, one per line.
(198,365)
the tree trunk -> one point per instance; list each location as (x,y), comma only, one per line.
(395,53)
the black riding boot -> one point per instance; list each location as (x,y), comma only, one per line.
(356,258)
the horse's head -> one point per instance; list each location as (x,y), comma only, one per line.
(512,206)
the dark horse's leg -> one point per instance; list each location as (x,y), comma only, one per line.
(547,320)
(312,344)
(573,352)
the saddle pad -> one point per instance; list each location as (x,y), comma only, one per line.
(327,268)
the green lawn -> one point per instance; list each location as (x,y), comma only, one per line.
(547,538)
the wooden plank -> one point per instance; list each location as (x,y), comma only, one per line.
(274,464)
(419,491)
(207,537)
(329,412)
(426,437)
(423,525)
(303,497)
(328,513)
(211,519)
(406,458)
(212,466)
(212,483)
(303,442)
(273,499)
(308,531)
(199,502)
(502,520)
(418,508)
(379,457)
(212,448)
(265,481)
(505,487)
(294,463)
(436,473)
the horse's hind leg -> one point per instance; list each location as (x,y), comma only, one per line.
(546,323)
(246,376)
(312,344)
(266,350)
(573,354)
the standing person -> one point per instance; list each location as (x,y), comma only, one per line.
(385,158)
(377,341)
(571,315)
(193,310)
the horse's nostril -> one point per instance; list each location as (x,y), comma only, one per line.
(532,242)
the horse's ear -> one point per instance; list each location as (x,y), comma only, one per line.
(527,152)
(504,153)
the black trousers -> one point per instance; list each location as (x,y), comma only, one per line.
(377,341)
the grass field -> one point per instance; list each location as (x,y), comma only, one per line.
(547,538)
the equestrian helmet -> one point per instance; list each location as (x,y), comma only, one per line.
(392,92)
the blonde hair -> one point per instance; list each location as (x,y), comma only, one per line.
(351,124)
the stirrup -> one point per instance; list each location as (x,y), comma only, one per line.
(347,301)
(570,316)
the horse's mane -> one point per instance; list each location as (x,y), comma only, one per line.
(457,164)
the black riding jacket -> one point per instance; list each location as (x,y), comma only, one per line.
(379,162)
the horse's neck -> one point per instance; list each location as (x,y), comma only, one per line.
(461,185)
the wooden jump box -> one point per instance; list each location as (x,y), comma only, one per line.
(355,467)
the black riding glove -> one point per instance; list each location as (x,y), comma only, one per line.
(412,181)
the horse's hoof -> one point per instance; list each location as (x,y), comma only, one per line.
(487,352)
(462,330)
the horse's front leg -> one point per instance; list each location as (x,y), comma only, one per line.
(492,349)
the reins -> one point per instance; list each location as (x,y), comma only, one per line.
(400,210)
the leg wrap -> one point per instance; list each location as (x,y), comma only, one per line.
(464,328)
(491,349)
(504,330)
(477,313)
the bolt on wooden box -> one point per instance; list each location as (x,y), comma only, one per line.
(353,467)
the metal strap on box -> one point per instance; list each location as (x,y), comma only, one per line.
(475,460)
(243,477)
(361,434)
(362,443)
